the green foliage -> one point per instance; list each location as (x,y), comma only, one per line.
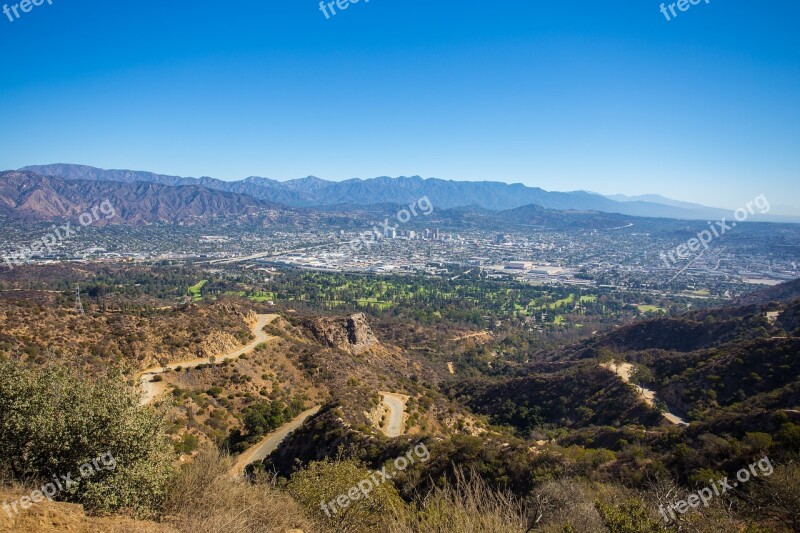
(56,420)
(758,442)
(789,435)
(263,417)
(323,482)
(629,516)
(705,477)
(187,444)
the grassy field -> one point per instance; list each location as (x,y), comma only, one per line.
(195,291)
(255,296)
(650,308)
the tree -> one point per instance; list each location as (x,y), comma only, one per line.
(757,442)
(56,421)
(263,417)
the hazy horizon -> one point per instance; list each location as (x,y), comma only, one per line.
(777,209)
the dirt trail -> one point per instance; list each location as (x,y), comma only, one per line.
(483,335)
(270,443)
(397,416)
(152,389)
(624,371)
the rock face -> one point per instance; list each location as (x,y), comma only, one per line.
(351,334)
(248,315)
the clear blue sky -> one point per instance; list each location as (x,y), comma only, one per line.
(565,95)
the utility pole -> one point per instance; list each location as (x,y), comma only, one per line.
(78,303)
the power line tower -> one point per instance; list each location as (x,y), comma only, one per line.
(78,303)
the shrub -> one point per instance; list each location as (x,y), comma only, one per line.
(187,444)
(55,420)
(324,481)
(629,516)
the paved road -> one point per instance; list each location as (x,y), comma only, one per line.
(151,389)
(266,255)
(270,443)
(397,416)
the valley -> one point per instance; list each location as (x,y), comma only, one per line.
(426,267)
(326,362)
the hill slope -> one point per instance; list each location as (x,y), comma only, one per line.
(28,196)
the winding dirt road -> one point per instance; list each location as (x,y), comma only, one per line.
(152,389)
(624,371)
(397,413)
(270,443)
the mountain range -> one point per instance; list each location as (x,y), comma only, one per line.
(444,194)
(29,197)
(25,196)
(61,191)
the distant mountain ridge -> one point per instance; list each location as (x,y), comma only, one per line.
(28,196)
(444,194)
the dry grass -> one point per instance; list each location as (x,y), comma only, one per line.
(206,499)
(467,505)
(565,505)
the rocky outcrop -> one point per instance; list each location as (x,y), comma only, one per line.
(351,334)
(248,315)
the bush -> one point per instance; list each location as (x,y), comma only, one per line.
(629,516)
(54,421)
(187,444)
(322,482)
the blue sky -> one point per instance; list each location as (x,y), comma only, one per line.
(601,96)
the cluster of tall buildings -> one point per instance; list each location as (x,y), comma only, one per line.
(427,234)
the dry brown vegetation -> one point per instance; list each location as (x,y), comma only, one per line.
(41,332)
(206,499)
(55,517)
(208,401)
(468,504)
